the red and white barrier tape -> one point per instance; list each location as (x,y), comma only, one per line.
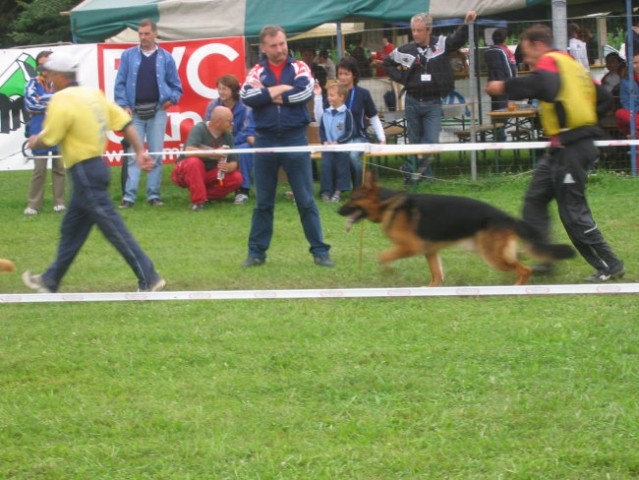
(394,149)
(388,292)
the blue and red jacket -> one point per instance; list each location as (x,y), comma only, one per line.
(279,118)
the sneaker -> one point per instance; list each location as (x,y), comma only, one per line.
(30,212)
(126,204)
(35,282)
(156,202)
(323,261)
(59,208)
(601,276)
(336,198)
(325,197)
(253,262)
(156,286)
(197,207)
(241,199)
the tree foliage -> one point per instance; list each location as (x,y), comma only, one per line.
(33,22)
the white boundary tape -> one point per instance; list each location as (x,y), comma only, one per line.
(376,149)
(387,292)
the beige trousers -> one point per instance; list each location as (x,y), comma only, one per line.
(38,179)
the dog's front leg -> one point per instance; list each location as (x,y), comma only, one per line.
(436,269)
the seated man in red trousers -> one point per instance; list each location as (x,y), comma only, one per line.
(209,176)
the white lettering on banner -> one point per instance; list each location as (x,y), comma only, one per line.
(172,154)
(175,121)
(178,54)
(193,65)
(113,158)
(113,137)
(110,59)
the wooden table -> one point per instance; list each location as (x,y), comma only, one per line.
(522,118)
(517,118)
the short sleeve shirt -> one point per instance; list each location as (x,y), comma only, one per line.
(78,119)
(200,136)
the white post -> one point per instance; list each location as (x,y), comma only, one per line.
(473,96)
(560,24)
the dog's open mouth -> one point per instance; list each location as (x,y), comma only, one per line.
(352,219)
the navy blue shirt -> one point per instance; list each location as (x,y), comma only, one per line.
(146,90)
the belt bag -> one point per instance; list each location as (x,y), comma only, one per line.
(144,111)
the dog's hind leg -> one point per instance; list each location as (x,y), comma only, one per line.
(499,250)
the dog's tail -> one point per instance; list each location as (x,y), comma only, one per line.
(540,248)
(7,265)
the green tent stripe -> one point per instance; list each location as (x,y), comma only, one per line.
(98,20)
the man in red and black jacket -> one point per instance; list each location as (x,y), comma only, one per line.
(277,89)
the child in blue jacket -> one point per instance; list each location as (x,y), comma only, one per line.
(336,126)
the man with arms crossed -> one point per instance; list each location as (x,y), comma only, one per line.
(277,89)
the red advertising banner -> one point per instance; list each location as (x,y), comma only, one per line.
(200,63)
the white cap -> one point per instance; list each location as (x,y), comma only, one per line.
(61,62)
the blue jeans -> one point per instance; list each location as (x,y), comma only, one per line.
(357,167)
(151,130)
(423,122)
(297,166)
(90,205)
(245,162)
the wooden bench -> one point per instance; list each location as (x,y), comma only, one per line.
(464,135)
(393,132)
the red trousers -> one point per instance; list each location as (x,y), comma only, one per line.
(623,121)
(190,173)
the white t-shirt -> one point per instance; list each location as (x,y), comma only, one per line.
(578,50)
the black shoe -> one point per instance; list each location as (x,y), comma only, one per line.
(601,276)
(323,261)
(126,204)
(156,202)
(197,207)
(156,286)
(253,262)
(407,175)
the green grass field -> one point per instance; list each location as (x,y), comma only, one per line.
(455,388)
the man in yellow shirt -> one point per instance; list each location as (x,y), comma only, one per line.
(78,119)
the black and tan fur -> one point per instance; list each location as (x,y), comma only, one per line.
(425,224)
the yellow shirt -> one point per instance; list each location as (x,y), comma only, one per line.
(78,119)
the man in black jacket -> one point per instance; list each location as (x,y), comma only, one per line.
(424,69)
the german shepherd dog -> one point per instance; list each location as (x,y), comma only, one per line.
(425,224)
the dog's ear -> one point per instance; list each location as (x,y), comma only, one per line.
(370,180)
